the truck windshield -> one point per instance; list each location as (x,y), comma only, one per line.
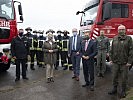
(89,16)
(6,9)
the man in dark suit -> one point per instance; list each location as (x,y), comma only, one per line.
(74,51)
(89,50)
(19,51)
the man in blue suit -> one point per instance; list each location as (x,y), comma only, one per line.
(89,50)
(74,51)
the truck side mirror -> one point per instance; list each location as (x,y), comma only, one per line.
(20,9)
(107,11)
(21,18)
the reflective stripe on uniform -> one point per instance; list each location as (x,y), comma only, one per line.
(63,45)
(69,65)
(65,64)
(39,49)
(64,49)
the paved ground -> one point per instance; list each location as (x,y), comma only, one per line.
(64,88)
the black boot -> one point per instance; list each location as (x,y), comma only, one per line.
(113,91)
(65,68)
(32,67)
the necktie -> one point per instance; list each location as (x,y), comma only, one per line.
(74,43)
(86,45)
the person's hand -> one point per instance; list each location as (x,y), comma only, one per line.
(83,57)
(51,51)
(87,57)
(68,55)
(111,62)
(107,54)
(14,57)
(128,65)
(77,53)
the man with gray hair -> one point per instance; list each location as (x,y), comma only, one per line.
(121,55)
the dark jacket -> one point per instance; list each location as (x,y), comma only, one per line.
(78,47)
(19,48)
(91,49)
(50,58)
(122,50)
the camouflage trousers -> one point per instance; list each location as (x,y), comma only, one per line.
(101,61)
(120,71)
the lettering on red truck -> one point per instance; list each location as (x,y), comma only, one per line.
(4,24)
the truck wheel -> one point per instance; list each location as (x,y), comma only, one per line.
(4,67)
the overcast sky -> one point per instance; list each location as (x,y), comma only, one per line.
(51,14)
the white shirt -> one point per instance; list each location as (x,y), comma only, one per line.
(75,45)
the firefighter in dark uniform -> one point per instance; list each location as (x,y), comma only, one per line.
(33,50)
(33,46)
(29,38)
(67,63)
(59,45)
(41,40)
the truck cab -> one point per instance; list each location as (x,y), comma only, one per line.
(106,15)
(8,30)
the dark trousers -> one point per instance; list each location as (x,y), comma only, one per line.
(59,55)
(76,63)
(40,57)
(23,64)
(120,71)
(88,70)
(32,55)
(66,60)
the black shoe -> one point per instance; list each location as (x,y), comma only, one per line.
(56,68)
(122,94)
(73,77)
(92,88)
(32,68)
(25,78)
(85,85)
(17,79)
(113,91)
(70,68)
(102,75)
(48,80)
(52,79)
(65,68)
(40,65)
(99,75)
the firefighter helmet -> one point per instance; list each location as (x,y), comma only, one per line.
(28,28)
(59,31)
(50,31)
(65,32)
(35,31)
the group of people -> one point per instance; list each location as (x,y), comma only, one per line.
(72,49)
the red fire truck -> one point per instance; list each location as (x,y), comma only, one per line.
(107,15)
(8,30)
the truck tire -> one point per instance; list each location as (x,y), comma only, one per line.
(4,67)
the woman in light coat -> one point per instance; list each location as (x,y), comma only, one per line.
(50,49)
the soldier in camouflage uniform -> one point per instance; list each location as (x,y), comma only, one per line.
(121,55)
(103,51)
